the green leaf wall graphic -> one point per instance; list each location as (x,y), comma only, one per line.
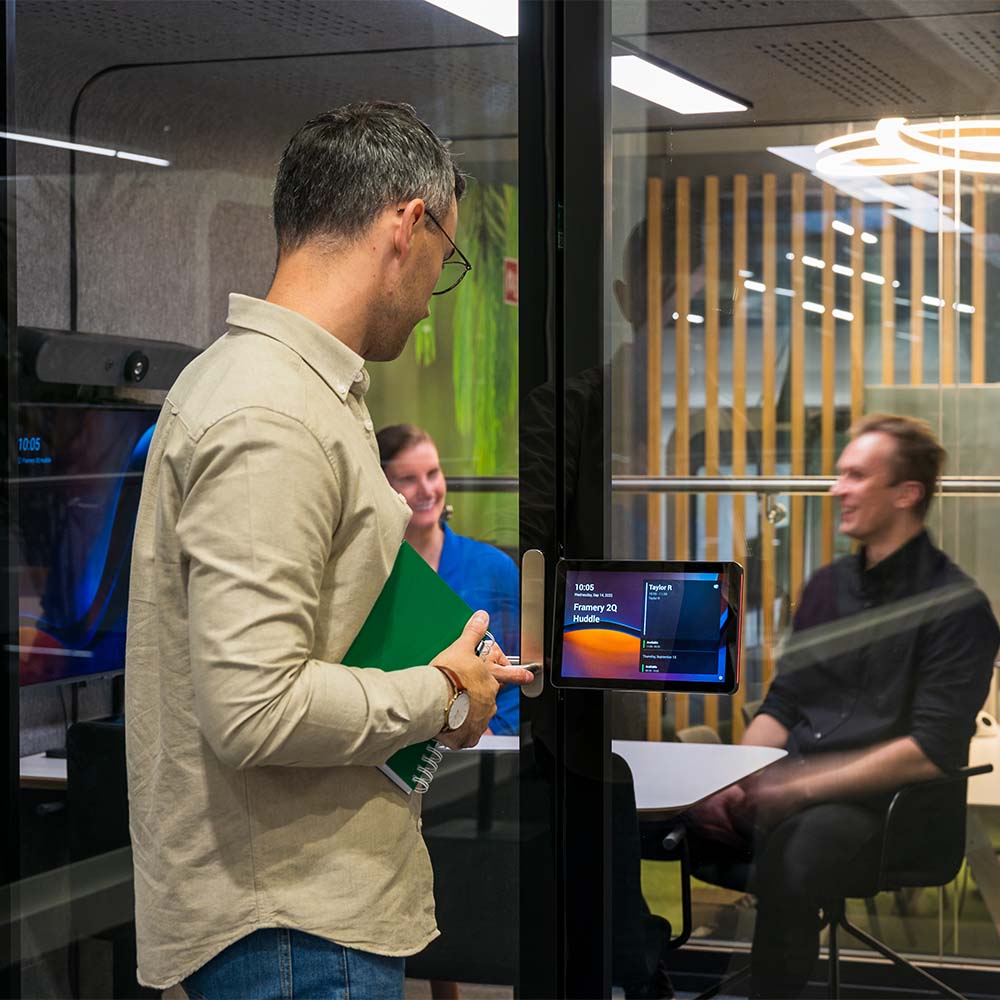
(484,358)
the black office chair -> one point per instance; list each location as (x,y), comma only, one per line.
(918,850)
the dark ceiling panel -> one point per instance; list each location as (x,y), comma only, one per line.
(849,71)
(674,16)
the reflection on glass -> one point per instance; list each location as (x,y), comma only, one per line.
(776,280)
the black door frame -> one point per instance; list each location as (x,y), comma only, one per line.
(564,227)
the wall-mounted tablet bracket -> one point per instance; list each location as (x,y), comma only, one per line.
(533,618)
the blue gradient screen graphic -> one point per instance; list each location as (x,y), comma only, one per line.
(79,477)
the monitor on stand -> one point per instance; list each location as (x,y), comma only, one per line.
(79,477)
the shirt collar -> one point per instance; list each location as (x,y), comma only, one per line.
(336,364)
(901,569)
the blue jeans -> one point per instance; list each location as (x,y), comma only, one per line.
(279,964)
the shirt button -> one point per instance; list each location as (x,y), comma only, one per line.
(341,389)
(358,376)
(819,736)
(369,426)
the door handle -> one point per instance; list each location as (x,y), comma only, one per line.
(533,618)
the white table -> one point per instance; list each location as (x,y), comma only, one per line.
(671,777)
(39,771)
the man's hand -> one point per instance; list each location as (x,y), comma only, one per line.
(775,794)
(502,670)
(721,816)
(481,677)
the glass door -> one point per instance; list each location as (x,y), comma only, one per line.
(802,198)
(146,139)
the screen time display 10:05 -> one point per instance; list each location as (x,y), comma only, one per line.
(645,626)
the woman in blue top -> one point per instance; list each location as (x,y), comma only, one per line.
(483,576)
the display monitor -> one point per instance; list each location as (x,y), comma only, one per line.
(77,485)
(648,626)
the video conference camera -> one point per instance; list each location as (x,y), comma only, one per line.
(96,359)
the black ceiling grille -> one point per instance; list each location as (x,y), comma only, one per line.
(842,70)
(980,47)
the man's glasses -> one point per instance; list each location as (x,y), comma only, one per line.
(452,270)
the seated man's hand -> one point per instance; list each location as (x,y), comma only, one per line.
(720,816)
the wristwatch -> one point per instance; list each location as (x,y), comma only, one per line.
(457,709)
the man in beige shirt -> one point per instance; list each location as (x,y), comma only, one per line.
(272,858)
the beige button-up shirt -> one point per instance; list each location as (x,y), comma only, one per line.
(265,532)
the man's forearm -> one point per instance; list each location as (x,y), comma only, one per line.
(765,731)
(867,772)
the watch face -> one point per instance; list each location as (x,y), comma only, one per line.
(459,710)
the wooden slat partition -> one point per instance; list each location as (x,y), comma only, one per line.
(711,389)
(797,527)
(768,405)
(682,425)
(654,409)
(946,288)
(739,421)
(916,305)
(978,280)
(888,317)
(828,360)
(857,311)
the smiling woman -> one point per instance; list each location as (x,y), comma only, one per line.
(483,576)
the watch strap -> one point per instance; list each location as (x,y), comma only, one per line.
(457,688)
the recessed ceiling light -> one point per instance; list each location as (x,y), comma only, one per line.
(499,16)
(668,89)
(79,147)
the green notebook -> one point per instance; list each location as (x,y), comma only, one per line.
(415,617)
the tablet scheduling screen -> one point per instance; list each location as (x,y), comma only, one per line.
(621,626)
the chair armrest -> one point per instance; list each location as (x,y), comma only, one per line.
(909,809)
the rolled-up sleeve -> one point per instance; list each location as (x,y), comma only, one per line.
(957,651)
(261,503)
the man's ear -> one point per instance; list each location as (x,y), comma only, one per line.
(406,221)
(910,494)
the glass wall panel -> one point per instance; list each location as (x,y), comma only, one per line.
(147,137)
(819,251)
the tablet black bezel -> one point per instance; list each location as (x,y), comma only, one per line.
(734,630)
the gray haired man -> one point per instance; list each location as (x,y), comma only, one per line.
(272,858)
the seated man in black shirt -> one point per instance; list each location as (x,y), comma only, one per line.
(888,663)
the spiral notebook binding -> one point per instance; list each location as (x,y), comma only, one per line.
(429,762)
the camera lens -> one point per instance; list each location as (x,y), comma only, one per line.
(136,367)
